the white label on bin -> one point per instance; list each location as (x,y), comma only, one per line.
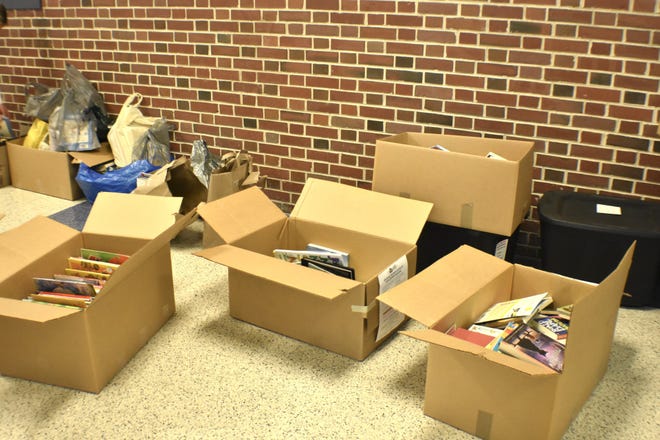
(608,209)
(500,249)
(389,318)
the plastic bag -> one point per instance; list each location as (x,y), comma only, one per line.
(74,125)
(154,145)
(41,100)
(121,180)
(203,163)
(128,129)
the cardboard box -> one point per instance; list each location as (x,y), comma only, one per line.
(328,311)
(174,179)
(468,189)
(84,349)
(51,172)
(4,166)
(178,179)
(490,394)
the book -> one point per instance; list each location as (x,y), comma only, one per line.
(346,272)
(79,263)
(563,312)
(108,257)
(87,274)
(478,338)
(72,300)
(64,286)
(517,310)
(319,248)
(296,256)
(551,326)
(490,331)
(36,301)
(530,345)
(495,343)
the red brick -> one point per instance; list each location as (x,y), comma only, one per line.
(587,180)
(634,51)
(643,21)
(466,24)
(570,15)
(598,94)
(563,163)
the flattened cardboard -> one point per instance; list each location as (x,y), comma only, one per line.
(468,190)
(84,349)
(492,395)
(325,310)
(50,172)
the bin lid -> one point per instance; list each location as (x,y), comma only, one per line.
(600,213)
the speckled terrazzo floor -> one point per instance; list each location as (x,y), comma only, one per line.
(206,375)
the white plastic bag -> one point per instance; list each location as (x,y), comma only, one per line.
(128,129)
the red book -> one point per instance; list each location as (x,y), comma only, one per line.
(474,337)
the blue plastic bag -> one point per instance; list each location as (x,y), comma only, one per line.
(122,180)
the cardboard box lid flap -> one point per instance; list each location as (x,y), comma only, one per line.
(361,210)
(297,277)
(136,260)
(444,285)
(21,245)
(93,158)
(238,215)
(13,308)
(438,338)
(132,215)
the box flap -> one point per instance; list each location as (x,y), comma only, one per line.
(132,215)
(93,158)
(20,246)
(240,214)
(297,277)
(361,210)
(13,308)
(450,342)
(445,285)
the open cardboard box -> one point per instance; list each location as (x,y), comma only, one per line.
(490,394)
(328,311)
(51,172)
(178,179)
(468,189)
(84,349)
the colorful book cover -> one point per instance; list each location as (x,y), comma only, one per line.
(296,256)
(79,263)
(64,286)
(551,326)
(87,274)
(108,257)
(528,344)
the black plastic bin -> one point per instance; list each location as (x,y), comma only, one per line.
(438,240)
(584,236)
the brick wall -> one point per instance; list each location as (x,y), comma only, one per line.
(307,86)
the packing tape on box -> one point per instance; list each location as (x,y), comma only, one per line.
(364,309)
(484,423)
(466,215)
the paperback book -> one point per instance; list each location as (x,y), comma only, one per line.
(516,310)
(530,345)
